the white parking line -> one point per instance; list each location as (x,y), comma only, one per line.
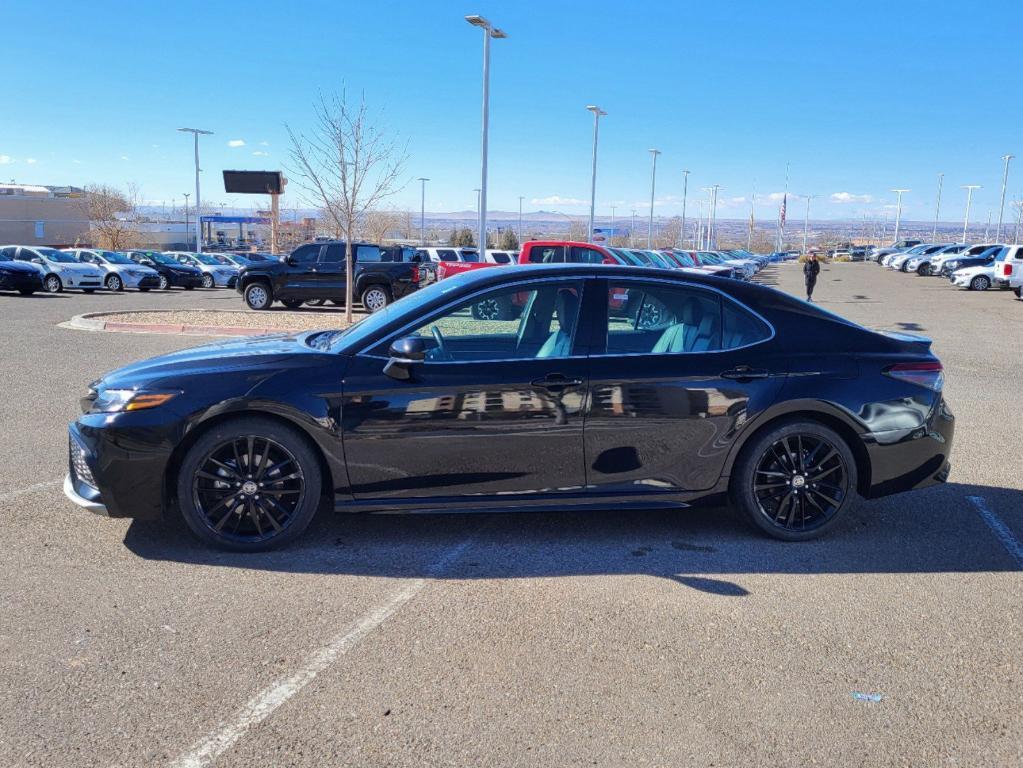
(1001,530)
(267,701)
(30,489)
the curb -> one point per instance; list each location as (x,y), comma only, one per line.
(93,321)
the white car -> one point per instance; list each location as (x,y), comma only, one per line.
(924,265)
(940,264)
(978,278)
(1008,262)
(896,260)
(121,272)
(912,263)
(214,273)
(60,270)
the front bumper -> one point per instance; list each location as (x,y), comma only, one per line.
(179,280)
(20,281)
(146,281)
(71,491)
(223,281)
(80,281)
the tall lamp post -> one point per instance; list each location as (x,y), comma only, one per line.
(478,228)
(806,221)
(597,114)
(898,211)
(422,210)
(489,31)
(196,133)
(1001,205)
(685,194)
(520,220)
(969,199)
(937,209)
(653,182)
(186,219)
(612,235)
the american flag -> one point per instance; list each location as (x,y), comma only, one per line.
(781,215)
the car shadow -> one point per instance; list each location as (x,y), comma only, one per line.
(937,530)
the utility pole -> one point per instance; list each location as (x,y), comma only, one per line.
(806,221)
(752,206)
(520,221)
(685,194)
(937,209)
(714,216)
(597,114)
(969,198)
(898,211)
(186,220)
(422,210)
(196,133)
(653,182)
(1001,205)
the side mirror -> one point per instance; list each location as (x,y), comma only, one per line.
(36,260)
(404,353)
(417,259)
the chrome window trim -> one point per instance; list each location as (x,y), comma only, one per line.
(454,303)
(685,284)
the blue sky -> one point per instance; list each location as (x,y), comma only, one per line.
(859,97)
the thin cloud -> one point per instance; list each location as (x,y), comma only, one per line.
(124,157)
(236,143)
(30,160)
(558,200)
(259,153)
(264,143)
(7,160)
(849,197)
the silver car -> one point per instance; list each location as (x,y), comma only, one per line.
(121,272)
(215,274)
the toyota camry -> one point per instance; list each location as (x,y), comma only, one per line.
(604,386)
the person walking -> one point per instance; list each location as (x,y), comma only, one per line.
(811,269)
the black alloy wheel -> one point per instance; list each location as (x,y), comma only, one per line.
(794,481)
(249,485)
(164,283)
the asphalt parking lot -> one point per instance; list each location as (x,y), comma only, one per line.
(610,639)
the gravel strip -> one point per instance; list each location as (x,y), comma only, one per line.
(284,321)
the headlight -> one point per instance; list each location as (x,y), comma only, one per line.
(953,265)
(118,400)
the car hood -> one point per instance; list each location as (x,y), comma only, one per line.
(258,353)
(184,269)
(81,269)
(976,270)
(20,267)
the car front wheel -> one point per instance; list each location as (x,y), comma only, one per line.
(164,283)
(249,484)
(207,281)
(52,284)
(257,296)
(794,482)
(980,283)
(114,283)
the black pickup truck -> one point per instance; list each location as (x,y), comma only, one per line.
(315,272)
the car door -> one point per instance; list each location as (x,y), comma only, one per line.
(301,274)
(671,381)
(495,410)
(329,272)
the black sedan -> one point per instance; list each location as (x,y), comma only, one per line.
(172,274)
(18,276)
(706,389)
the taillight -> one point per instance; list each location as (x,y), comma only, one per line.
(415,273)
(929,374)
(1007,269)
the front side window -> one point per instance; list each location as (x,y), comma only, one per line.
(659,319)
(546,254)
(513,323)
(305,254)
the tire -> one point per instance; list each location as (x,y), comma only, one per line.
(924,269)
(263,475)
(258,296)
(316,302)
(88,290)
(292,303)
(189,287)
(499,308)
(208,281)
(52,284)
(26,291)
(375,298)
(1018,290)
(774,504)
(164,283)
(980,283)
(114,283)
(336,302)
(143,289)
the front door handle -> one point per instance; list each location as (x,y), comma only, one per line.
(745,373)
(555,382)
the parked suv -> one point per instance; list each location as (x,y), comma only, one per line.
(1008,262)
(60,270)
(121,272)
(316,272)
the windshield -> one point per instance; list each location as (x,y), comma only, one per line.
(204,258)
(471,257)
(112,257)
(162,258)
(51,254)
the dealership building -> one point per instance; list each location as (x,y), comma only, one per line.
(42,215)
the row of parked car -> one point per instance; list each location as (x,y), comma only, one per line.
(315,273)
(973,266)
(30,268)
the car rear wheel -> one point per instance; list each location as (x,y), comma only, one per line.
(1018,291)
(980,283)
(249,485)
(924,269)
(375,298)
(207,281)
(114,283)
(164,283)
(52,284)
(30,291)
(794,481)
(292,303)
(257,296)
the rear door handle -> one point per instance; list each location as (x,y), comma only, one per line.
(555,382)
(744,372)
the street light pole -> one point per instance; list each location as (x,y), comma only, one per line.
(1001,205)
(196,132)
(937,209)
(186,220)
(898,211)
(597,114)
(422,210)
(714,216)
(611,241)
(489,31)
(969,198)
(653,182)
(806,221)
(685,194)
(477,191)
(520,221)
(632,232)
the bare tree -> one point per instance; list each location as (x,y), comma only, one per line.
(669,234)
(113,216)
(346,166)
(377,225)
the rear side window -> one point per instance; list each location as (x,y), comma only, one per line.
(471,257)
(500,258)
(586,256)
(546,254)
(739,328)
(445,254)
